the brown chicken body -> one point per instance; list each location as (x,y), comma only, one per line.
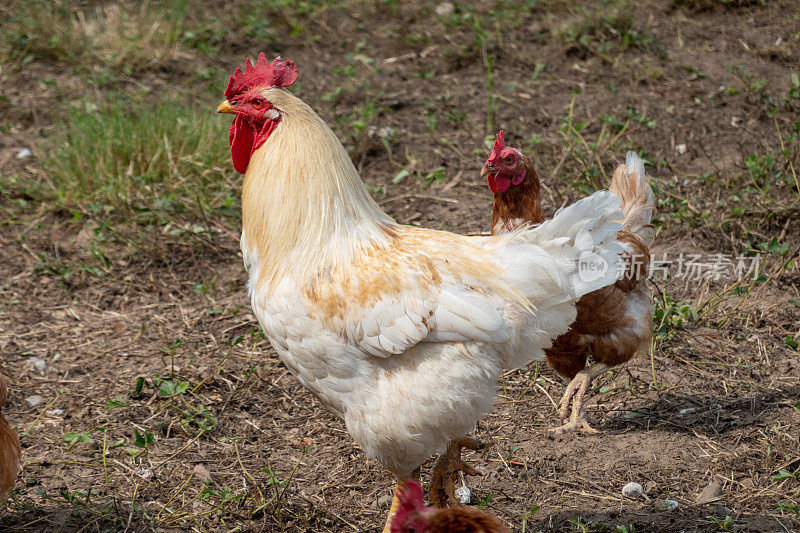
(612,323)
(10,451)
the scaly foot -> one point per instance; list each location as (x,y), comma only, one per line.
(576,390)
(579,424)
(442,488)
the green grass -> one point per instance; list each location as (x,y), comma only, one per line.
(124,37)
(612,29)
(142,162)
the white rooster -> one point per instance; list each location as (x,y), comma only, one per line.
(402,332)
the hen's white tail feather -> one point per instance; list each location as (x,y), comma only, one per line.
(629,183)
(572,254)
(583,238)
(577,249)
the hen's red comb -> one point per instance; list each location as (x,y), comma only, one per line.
(410,500)
(276,74)
(412,497)
(499,142)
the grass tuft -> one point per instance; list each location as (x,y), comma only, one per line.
(612,29)
(117,36)
(142,162)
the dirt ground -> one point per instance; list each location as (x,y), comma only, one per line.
(96,355)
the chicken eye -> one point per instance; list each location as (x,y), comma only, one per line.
(509,159)
(258,104)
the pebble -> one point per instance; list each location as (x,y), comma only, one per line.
(711,493)
(34,400)
(24,153)
(202,472)
(38,364)
(445,9)
(463,495)
(687,411)
(721,510)
(680,148)
(145,473)
(665,505)
(384,501)
(632,490)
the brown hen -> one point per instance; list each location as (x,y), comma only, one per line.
(613,323)
(10,451)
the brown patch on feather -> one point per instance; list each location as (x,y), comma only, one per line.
(381,271)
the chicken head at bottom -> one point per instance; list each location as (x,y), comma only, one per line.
(413,517)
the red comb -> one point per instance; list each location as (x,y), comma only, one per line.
(499,142)
(276,74)
(410,500)
(412,497)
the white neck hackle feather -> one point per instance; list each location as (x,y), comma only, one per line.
(304,206)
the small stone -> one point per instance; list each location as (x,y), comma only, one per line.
(711,493)
(55,412)
(201,472)
(463,495)
(145,473)
(384,501)
(445,9)
(665,505)
(632,490)
(381,132)
(24,153)
(723,511)
(680,148)
(38,364)
(34,400)
(687,411)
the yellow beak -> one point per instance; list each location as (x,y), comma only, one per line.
(226,107)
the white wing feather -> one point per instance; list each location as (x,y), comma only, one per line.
(541,265)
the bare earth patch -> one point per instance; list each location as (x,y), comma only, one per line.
(146,397)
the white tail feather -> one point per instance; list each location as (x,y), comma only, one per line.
(582,237)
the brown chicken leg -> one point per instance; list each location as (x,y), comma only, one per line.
(575,391)
(442,488)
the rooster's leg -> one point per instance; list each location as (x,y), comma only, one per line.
(575,391)
(441,492)
(401,484)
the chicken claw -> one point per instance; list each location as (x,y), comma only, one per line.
(442,489)
(576,390)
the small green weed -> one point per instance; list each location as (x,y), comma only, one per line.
(792,507)
(72,439)
(726,524)
(785,474)
(670,315)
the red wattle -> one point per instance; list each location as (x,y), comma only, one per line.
(492,185)
(242,138)
(502,182)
